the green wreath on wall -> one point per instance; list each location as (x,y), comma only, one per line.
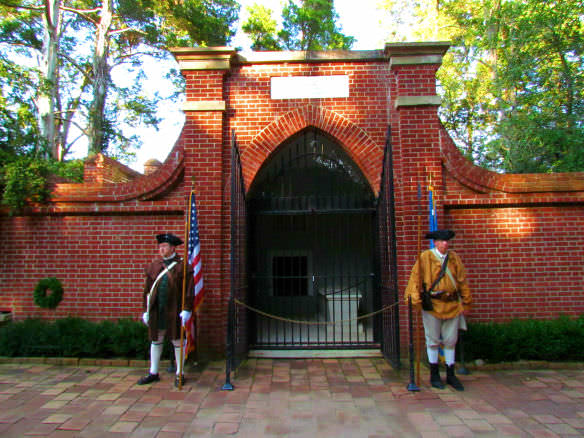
(44,299)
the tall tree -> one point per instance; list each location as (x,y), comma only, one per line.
(87,81)
(306,25)
(80,44)
(51,16)
(261,28)
(512,82)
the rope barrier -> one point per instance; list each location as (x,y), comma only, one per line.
(350,287)
(295,321)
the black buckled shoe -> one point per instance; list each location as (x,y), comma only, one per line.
(452,380)
(149,379)
(435,379)
(177,381)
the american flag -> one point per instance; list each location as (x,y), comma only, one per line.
(194,260)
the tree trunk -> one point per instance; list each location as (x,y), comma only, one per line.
(100,81)
(48,92)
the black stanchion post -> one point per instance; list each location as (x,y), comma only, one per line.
(227,386)
(412,385)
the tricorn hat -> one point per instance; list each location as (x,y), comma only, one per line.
(169,238)
(440,235)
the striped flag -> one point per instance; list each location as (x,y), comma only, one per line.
(194,260)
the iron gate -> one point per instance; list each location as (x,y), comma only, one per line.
(312,249)
(237,341)
(387,259)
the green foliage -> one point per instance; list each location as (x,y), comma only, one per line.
(533,143)
(88,82)
(560,339)
(512,83)
(306,25)
(78,76)
(18,129)
(261,28)
(71,170)
(75,337)
(43,298)
(25,180)
(528,58)
(130,339)
(207,22)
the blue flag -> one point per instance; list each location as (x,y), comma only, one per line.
(433,219)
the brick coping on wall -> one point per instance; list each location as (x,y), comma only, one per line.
(99,197)
(484,180)
(497,188)
(229,55)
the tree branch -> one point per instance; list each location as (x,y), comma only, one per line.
(28,8)
(83,13)
(77,66)
(121,59)
(127,29)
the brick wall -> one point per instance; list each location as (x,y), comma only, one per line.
(99,259)
(96,238)
(102,169)
(523,262)
(519,235)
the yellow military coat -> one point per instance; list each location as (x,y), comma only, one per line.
(430,265)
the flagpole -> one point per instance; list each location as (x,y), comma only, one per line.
(184,286)
(420,281)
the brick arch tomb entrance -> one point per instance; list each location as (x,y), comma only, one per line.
(311,249)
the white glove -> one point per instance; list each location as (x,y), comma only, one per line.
(185,316)
(145,318)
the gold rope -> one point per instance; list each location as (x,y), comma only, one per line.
(280,318)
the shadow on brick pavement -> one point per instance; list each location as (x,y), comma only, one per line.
(287,398)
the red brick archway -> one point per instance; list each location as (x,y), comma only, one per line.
(361,148)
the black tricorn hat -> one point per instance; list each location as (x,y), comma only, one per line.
(169,238)
(440,235)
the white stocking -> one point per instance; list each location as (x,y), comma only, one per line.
(432,354)
(155,353)
(449,356)
(179,364)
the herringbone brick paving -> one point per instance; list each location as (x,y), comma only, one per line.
(287,398)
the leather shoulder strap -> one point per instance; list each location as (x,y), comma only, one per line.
(164,271)
(443,270)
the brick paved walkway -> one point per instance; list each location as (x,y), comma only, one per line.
(291,398)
